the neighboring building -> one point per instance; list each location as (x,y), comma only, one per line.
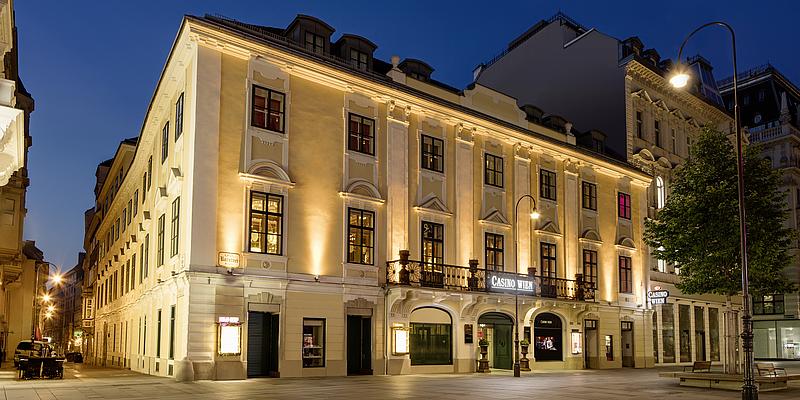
(622,89)
(16,267)
(296,207)
(68,320)
(769,106)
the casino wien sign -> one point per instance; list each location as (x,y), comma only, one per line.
(657,296)
(506,282)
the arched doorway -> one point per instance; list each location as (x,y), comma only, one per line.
(547,338)
(498,329)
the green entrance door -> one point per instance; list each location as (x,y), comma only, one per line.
(503,346)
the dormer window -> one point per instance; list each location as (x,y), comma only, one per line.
(359,59)
(416,69)
(315,43)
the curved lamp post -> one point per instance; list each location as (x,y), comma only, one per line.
(679,80)
(534,215)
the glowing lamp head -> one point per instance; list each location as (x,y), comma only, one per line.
(535,215)
(48,315)
(46,298)
(56,278)
(679,80)
(51,308)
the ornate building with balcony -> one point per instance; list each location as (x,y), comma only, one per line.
(294,206)
(769,105)
(620,88)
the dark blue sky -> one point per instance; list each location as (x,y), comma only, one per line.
(92,66)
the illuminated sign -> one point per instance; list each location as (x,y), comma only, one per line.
(501,281)
(230,334)
(399,340)
(657,296)
(228,260)
(577,347)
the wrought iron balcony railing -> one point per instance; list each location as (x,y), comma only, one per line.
(474,279)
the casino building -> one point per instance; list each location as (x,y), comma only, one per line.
(294,206)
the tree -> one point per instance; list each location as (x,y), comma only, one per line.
(698,228)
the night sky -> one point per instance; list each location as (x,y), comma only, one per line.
(92,67)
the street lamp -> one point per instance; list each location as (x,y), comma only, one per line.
(534,215)
(56,279)
(680,79)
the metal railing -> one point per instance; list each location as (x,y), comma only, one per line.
(413,273)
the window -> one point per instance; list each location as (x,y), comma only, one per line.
(179,117)
(661,193)
(315,43)
(624,203)
(625,275)
(494,252)
(657,131)
(144,335)
(547,184)
(797,198)
(361,134)
(361,236)
(130,211)
(589,196)
(158,334)
(590,267)
(639,123)
(141,263)
(430,344)
(149,174)
(746,100)
(493,171)
(136,202)
(160,250)
(164,142)
(146,255)
(770,304)
(124,218)
(174,226)
(609,346)
(359,59)
(432,153)
(172,332)
(266,223)
(313,342)
(548,260)
(267,109)
(674,144)
(432,243)
(761,95)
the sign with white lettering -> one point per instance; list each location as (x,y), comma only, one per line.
(228,260)
(658,296)
(507,282)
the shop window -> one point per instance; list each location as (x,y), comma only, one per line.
(609,345)
(589,196)
(684,328)
(361,236)
(432,153)
(494,252)
(713,330)
(313,342)
(266,223)
(668,332)
(655,337)
(547,337)
(361,134)
(267,109)
(699,334)
(493,170)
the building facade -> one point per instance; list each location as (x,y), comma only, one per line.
(17,269)
(769,106)
(66,326)
(296,207)
(621,88)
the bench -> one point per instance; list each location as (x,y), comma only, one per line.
(699,366)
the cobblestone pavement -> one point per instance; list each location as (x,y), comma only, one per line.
(83,382)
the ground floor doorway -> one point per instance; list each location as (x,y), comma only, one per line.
(262,344)
(359,345)
(627,344)
(590,344)
(498,330)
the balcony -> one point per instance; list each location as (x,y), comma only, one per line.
(773,133)
(412,273)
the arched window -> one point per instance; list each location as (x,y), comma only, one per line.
(661,193)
